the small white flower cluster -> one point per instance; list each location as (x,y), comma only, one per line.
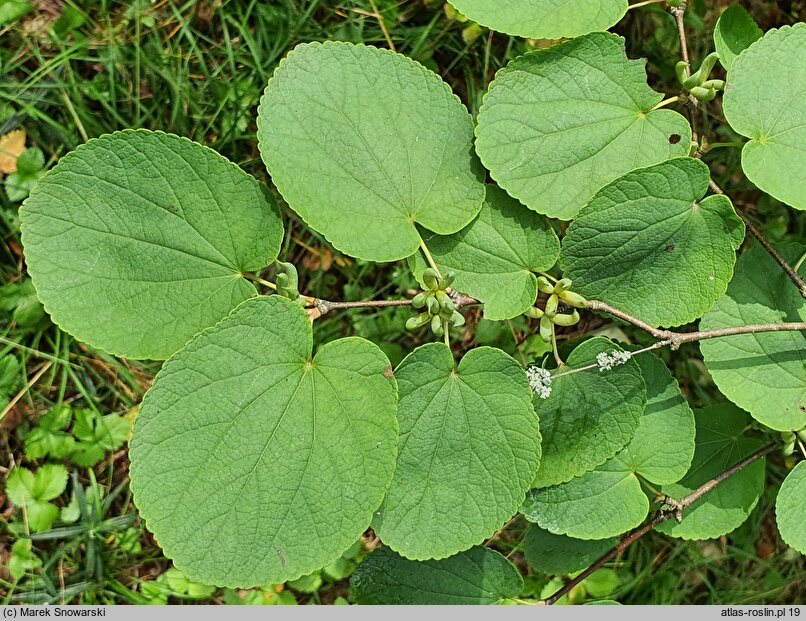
(539,380)
(613,359)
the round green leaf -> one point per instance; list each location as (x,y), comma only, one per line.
(766,101)
(763,373)
(720,444)
(559,124)
(468,450)
(253,462)
(137,240)
(598,504)
(495,257)
(363,143)
(734,32)
(544,19)
(610,500)
(477,576)
(560,554)
(789,508)
(589,416)
(648,245)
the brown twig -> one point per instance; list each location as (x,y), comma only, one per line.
(675,510)
(793,275)
(678,12)
(676,339)
(318,307)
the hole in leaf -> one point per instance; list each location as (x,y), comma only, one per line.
(674,138)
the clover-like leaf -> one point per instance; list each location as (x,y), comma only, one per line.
(766,102)
(469,447)
(789,508)
(589,416)
(544,19)
(30,492)
(763,373)
(559,124)
(137,240)
(560,554)
(609,500)
(734,32)
(297,451)
(495,257)
(363,143)
(476,576)
(720,444)
(648,245)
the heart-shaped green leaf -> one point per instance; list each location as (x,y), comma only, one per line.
(363,143)
(764,373)
(253,462)
(544,19)
(766,101)
(720,444)
(477,576)
(559,124)
(137,240)
(469,447)
(589,416)
(560,554)
(734,32)
(649,246)
(789,508)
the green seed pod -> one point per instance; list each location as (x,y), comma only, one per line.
(436,325)
(416,322)
(433,305)
(703,94)
(717,84)
(551,305)
(574,299)
(802,435)
(566,320)
(291,273)
(447,305)
(441,296)
(564,284)
(787,436)
(447,281)
(545,329)
(282,281)
(544,285)
(457,319)
(680,71)
(418,301)
(534,313)
(789,448)
(430,278)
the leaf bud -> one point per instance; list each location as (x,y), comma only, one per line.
(436,325)
(534,312)
(566,320)
(430,278)
(418,301)
(551,305)
(544,285)
(415,322)
(564,284)
(545,329)
(457,319)
(574,299)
